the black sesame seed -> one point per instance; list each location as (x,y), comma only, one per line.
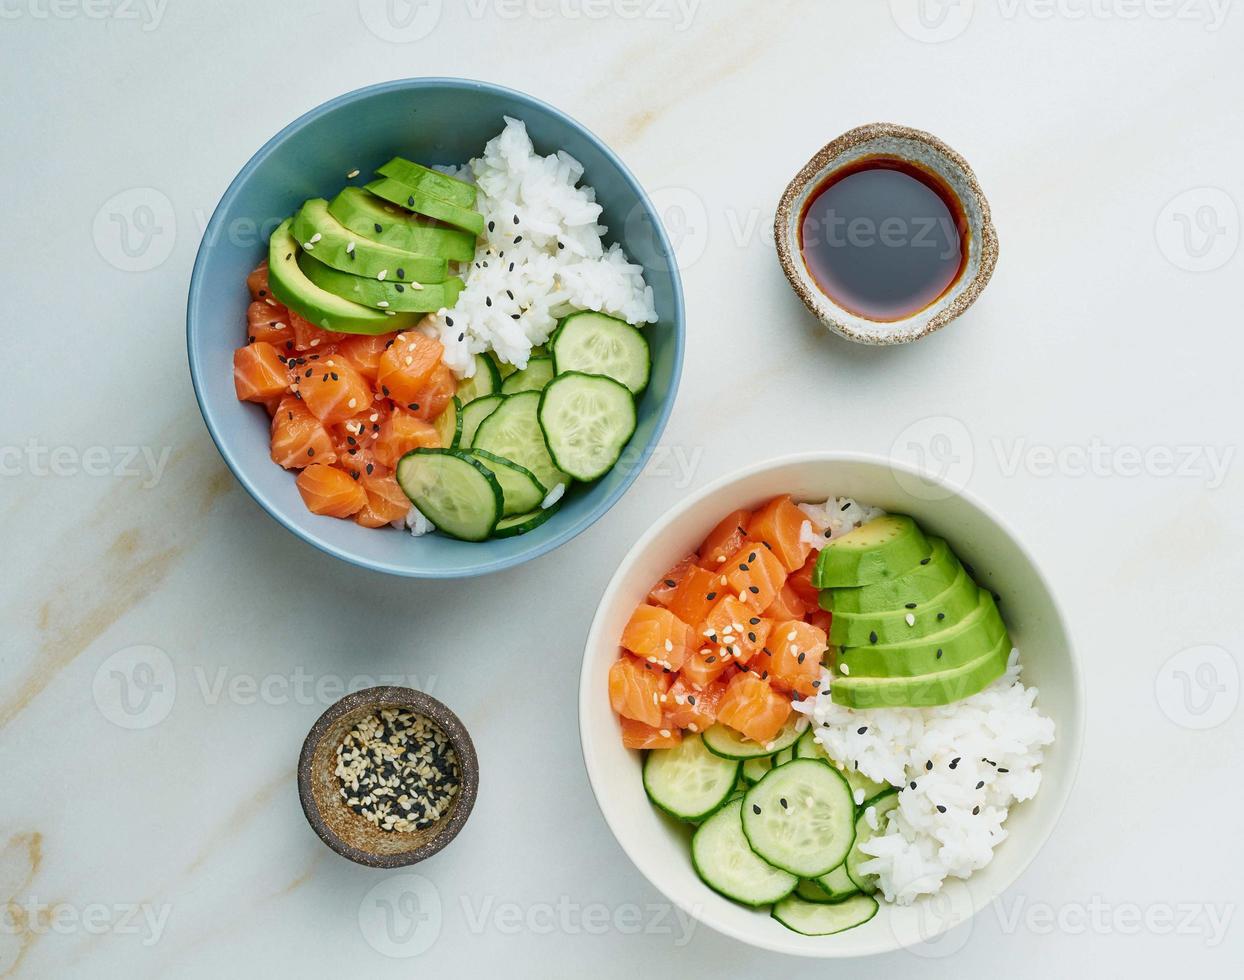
(929,765)
(924,561)
(940,808)
(754,589)
(911,605)
(711,596)
(401,273)
(754,621)
(782,800)
(861,730)
(975,810)
(872,637)
(756,809)
(377,227)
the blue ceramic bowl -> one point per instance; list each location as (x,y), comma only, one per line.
(432,120)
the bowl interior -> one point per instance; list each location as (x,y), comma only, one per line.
(434,121)
(932,155)
(659,845)
(344,830)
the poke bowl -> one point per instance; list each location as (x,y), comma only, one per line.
(777,795)
(388,272)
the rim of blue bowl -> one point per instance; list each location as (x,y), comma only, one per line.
(562,536)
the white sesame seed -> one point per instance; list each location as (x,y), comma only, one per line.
(665,733)
(911,620)
(352,174)
(316,237)
(792,635)
(352,402)
(350,248)
(669,645)
(381,274)
(846,670)
(383,303)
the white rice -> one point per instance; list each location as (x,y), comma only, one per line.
(997,736)
(834,518)
(519,269)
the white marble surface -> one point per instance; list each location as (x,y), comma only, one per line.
(1106,343)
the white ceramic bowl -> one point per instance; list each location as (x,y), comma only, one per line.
(658,845)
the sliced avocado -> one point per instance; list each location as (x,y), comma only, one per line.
(944,687)
(921,584)
(420,201)
(367,215)
(396,296)
(961,643)
(332,243)
(321,307)
(909,619)
(447,188)
(883,548)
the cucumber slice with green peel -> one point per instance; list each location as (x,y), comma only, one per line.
(863,789)
(322,307)
(421,202)
(688,781)
(927,691)
(838,884)
(801,818)
(864,833)
(913,620)
(821,918)
(884,548)
(724,741)
(509,527)
(521,491)
(455,491)
(810,890)
(413,174)
(513,431)
(474,412)
(449,425)
(920,584)
(332,243)
(783,757)
(722,858)
(537,374)
(593,343)
(587,420)
(754,769)
(485,381)
(378,221)
(392,297)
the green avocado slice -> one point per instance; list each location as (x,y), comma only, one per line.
(420,201)
(961,643)
(321,307)
(396,296)
(449,189)
(945,687)
(920,584)
(374,219)
(332,243)
(884,548)
(907,620)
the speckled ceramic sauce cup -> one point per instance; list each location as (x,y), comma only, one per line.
(933,162)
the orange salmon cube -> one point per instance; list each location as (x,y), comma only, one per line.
(401,433)
(257,281)
(753,708)
(791,660)
(787,604)
(269,322)
(406,367)
(330,491)
(298,437)
(637,735)
(662,593)
(779,524)
(695,595)
(736,628)
(364,352)
(704,666)
(386,502)
(658,636)
(333,391)
(801,581)
(690,707)
(755,575)
(259,373)
(724,540)
(310,338)
(637,690)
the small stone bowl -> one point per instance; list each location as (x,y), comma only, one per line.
(344,830)
(923,150)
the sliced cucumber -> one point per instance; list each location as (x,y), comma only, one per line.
(810,890)
(593,343)
(801,818)
(824,919)
(537,374)
(504,368)
(863,789)
(587,421)
(449,425)
(838,884)
(474,412)
(754,769)
(688,781)
(509,527)
(724,861)
(521,490)
(785,756)
(513,431)
(455,491)
(485,381)
(726,742)
(864,833)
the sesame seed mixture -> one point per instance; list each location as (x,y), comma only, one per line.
(398,770)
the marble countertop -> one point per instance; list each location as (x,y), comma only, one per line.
(166,645)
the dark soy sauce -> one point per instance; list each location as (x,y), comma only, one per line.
(884,238)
